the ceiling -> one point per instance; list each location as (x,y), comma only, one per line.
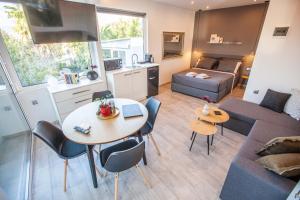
(209,4)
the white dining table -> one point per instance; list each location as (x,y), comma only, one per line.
(103,131)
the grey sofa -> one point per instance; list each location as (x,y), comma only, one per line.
(247,179)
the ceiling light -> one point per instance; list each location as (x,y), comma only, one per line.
(254,0)
(192,2)
(207,7)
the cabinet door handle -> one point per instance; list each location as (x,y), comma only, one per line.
(80,92)
(137,72)
(151,78)
(127,74)
(76,102)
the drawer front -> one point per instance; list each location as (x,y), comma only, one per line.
(78,92)
(72,104)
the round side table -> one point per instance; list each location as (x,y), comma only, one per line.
(202,128)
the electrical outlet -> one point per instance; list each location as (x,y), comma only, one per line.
(255,91)
(34,102)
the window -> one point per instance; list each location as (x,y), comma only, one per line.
(121,35)
(35,63)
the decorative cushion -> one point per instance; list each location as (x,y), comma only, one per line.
(292,106)
(275,100)
(287,165)
(280,145)
(229,65)
(207,63)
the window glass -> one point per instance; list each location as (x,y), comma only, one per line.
(35,63)
(122,35)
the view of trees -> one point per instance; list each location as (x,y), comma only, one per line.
(35,62)
(122,29)
(32,62)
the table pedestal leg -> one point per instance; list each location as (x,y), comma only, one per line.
(208,145)
(140,138)
(89,151)
(193,139)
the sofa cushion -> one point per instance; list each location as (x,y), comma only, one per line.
(251,112)
(292,106)
(287,165)
(281,145)
(275,100)
(264,131)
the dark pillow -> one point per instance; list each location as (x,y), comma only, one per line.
(287,165)
(207,63)
(280,145)
(275,100)
(228,65)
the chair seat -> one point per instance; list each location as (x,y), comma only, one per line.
(71,149)
(105,153)
(146,129)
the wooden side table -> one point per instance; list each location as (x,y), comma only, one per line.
(202,128)
(212,117)
(244,78)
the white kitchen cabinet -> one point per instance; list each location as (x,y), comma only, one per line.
(129,83)
(67,98)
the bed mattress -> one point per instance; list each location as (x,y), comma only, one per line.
(218,82)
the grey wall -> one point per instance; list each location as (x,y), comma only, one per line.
(242,24)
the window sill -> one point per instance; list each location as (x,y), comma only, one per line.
(63,86)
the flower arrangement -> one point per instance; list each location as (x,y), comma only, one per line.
(105,108)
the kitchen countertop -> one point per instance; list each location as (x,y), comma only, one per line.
(131,69)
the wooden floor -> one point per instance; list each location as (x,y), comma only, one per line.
(176,174)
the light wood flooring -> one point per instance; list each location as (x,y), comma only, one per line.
(176,174)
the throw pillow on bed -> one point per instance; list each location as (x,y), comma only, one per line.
(206,63)
(292,106)
(287,165)
(275,100)
(229,65)
(281,145)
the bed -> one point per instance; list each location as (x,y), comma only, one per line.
(222,80)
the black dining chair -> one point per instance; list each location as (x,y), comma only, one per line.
(152,106)
(54,138)
(123,156)
(98,95)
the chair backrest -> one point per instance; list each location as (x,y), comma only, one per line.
(50,134)
(152,106)
(107,94)
(123,160)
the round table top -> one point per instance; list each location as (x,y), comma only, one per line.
(212,117)
(203,128)
(103,131)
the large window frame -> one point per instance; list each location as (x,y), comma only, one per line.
(127,13)
(94,51)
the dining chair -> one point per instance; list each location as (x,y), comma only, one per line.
(123,156)
(152,106)
(56,140)
(106,93)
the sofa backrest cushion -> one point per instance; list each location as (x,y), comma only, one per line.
(275,100)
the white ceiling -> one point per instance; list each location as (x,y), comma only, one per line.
(209,4)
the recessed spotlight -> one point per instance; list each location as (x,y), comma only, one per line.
(207,7)
(254,0)
(192,2)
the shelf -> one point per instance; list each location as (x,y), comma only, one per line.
(227,43)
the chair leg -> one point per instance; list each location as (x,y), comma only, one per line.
(146,181)
(65,175)
(116,185)
(156,146)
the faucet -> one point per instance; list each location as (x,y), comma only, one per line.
(132,61)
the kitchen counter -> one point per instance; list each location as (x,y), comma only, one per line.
(131,69)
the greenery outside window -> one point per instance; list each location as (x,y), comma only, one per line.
(121,34)
(33,63)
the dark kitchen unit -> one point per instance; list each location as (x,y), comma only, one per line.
(153,80)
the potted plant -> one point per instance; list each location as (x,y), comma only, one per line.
(104,108)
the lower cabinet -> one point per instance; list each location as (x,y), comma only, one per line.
(130,84)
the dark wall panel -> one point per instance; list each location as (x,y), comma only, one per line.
(238,24)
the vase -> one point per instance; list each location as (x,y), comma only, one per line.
(205,109)
(92,75)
